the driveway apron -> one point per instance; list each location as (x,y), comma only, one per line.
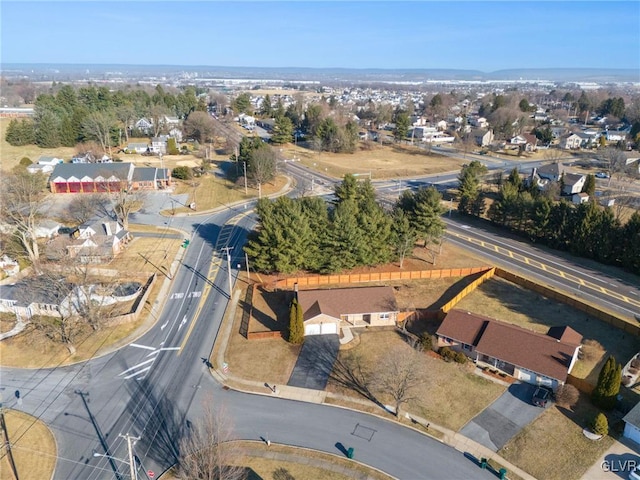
(315,362)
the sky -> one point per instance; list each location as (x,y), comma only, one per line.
(474,35)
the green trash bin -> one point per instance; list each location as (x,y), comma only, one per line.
(483,463)
(350,452)
(503,473)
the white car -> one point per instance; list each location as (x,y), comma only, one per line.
(602,175)
(635,473)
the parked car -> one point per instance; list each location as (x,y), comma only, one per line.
(635,473)
(541,396)
(602,175)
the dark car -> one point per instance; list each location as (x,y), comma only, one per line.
(541,396)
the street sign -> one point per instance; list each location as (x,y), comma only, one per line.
(150,474)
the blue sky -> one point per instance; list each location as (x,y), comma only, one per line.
(477,35)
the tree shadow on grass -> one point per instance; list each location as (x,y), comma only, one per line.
(278,302)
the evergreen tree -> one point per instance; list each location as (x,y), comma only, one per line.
(426,216)
(600,425)
(347,189)
(608,386)
(282,130)
(47,133)
(20,133)
(590,187)
(401,129)
(296,323)
(344,242)
(403,236)
(265,107)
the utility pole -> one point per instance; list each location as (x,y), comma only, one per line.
(132,462)
(244,166)
(228,252)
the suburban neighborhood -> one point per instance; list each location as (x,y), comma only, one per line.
(342,269)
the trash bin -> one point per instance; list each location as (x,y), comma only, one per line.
(483,463)
(503,473)
(350,452)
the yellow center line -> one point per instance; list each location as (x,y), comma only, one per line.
(547,268)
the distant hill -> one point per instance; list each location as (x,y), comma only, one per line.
(74,71)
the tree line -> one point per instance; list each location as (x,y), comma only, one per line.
(586,230)
(354,230)
(71,116)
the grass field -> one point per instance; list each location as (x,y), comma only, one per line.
(33,446)
(381,161)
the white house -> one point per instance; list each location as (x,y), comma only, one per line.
(144,125)
(573,183)
(632,424)
(37,168)
(47,229)
(571,142)
(578,198)
(52,161)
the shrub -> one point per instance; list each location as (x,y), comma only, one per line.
(25,161)
(460,358)
(600,424)
(181,173)
(567,396)
(172,147)
(447,354)
(591,350)
(426,341)
(606,392)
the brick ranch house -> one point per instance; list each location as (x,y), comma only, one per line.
(539,359)
(327,311)
(106,177)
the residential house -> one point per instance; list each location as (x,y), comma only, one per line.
(98,241)
(578,198)
(482,137)
(441,125)
(52,161)
(8,266)
(478,122)
(525,141)
(558,131)
(83,158)
(158,145)
(137,147)
(90,177)
(35,296)
(571,142)
(546,175)
(47,229)
(37,168)
(176,132)
(418,121)
(616,135)
(326,311)
(572,183)
(144,125)
(150,178)
(632,424)
(540,359)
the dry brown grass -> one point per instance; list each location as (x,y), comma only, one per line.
(212,191)
(506,301)
(553,446)
(450,395)
(382,161)
(143,253)
(10,156)
(33,446)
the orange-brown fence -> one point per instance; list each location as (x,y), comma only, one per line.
(591,310)
(468,289)
(261,335)
(581,384)
(314,281)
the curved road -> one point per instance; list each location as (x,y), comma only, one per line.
(155,387)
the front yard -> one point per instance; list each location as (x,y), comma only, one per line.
(553,446)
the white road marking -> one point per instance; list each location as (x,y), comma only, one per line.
(142,346)
(184,320)
(162,327)
(138,373)
(138,366)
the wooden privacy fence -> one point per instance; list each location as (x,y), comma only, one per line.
(591,310)
(467,290)
(318,280)
(581,384)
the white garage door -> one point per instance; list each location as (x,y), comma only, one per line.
(313,329)
(327,328)
(527,376)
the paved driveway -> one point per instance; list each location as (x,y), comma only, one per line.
(315,362)
(504,418)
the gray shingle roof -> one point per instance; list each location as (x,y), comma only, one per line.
(92,170)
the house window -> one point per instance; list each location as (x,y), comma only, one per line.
(384,316)
(466,347)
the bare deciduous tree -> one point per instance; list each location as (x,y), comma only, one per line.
(126,202)
(23,201)
(98,125)
(397,376)
(206,451)
(83,207)
(614,162)
(262,166)
(567,396)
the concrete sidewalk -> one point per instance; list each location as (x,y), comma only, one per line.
(616,462)
(449,437)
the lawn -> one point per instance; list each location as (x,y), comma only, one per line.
(211,191)
(381,161)
(553,446)
(450,394)
(10,156)
(33,447)
(509,302)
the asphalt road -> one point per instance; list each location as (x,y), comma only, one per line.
(156,386)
